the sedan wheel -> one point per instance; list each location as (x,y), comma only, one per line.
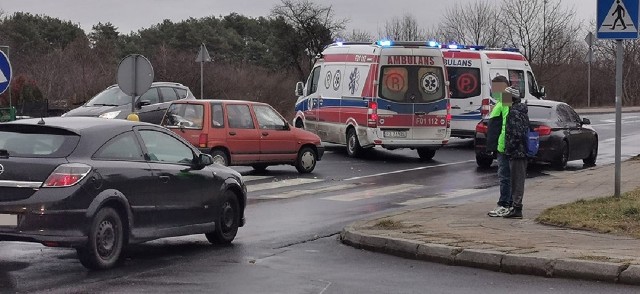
(561,162)
(105,241)
(484,162)
(591,160)
(227,222)
(306,161)
(220,157)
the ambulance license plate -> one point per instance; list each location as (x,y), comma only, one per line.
(395,134)
(8,220)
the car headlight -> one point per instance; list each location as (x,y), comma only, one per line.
(112,114)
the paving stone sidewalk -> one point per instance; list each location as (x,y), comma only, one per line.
(461,233)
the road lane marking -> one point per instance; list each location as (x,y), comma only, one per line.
(297,193)
(407,170)
(371,193)
(280,184)
(453,194)
(255,178)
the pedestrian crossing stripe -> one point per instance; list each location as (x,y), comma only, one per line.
(618,20)
(280,184)
(298,193)
(372,193)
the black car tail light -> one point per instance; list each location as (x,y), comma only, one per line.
(67,175)
(481,128)
(543,130)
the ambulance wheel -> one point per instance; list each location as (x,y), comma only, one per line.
(426,154)
(483,161)
(353,145)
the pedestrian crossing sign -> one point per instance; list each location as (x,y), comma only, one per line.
(617,19)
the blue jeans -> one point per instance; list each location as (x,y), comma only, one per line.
(504,175)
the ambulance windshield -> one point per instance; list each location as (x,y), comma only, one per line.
(412,84)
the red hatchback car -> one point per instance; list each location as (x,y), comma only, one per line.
(245,133)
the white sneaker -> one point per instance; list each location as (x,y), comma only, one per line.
(497,211)
(504,211)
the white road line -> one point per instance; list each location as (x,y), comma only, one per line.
(255,178)
(297,193)
(371,193)
(406,170)
(280,184)
(453,194)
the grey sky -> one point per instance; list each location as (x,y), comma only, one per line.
(132,15)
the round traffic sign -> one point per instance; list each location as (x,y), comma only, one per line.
(135,75)
(5,72)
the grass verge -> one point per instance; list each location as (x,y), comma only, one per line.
(388,224)
(620,216)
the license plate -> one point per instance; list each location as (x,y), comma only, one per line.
(8,220)
(395,134)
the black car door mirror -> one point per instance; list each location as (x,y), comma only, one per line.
(586,121)
(143,103)
(205,159)
(299,89)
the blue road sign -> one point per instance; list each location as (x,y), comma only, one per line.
(5,72)
(617,19)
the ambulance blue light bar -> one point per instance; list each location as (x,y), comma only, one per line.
(476,47)
(384,43)
(511,49)
(433,44)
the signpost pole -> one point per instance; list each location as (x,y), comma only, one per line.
(202,80)
(619,55)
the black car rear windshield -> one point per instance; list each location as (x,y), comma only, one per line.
(32,141)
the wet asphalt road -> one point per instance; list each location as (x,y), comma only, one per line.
(289,244)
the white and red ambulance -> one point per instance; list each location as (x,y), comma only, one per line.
(388,94)
(470,71)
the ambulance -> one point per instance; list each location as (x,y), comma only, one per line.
(388,94)
(470,71)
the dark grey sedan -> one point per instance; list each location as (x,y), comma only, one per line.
(99,184)
(564,136)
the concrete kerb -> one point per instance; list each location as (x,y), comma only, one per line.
(494,260)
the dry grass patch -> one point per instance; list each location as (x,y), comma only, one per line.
(388,224)
(620,216)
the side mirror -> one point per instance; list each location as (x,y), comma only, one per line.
(143,103)
(541,92)
(299,89)
(586,121)
(205,159)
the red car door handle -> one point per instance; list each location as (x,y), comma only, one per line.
(265,134)
(164,179)
(232,133)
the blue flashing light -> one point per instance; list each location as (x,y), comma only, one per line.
(384,43)
(511,49)
(433,44)
(339,43)
(454,46)
(476,47)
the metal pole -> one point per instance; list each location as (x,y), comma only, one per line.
(589,79)
(202,80)
(135,85)
(619,58)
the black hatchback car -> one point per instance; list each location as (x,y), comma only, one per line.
(97,185)
(563,135)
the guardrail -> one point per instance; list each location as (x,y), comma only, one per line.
(7,114)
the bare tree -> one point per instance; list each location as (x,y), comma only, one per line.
(544,29)
(403,28)
(474,23)
(358,36)
(314,24)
